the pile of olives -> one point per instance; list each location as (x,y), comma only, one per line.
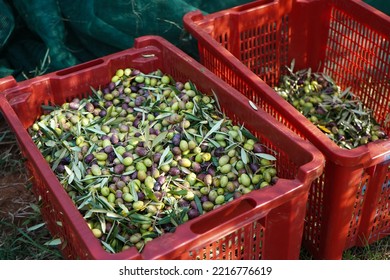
(145,154)
(339,114)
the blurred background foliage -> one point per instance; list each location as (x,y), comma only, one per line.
(41,36)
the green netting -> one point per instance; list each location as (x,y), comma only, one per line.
(38,36)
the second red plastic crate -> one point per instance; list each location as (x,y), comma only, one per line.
(249,46)
(264,224)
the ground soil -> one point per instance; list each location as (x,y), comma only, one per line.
(15,196)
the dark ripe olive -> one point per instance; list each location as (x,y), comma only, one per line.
(134,175)
(201,176)
(108,104)
(139,100)
(196,167)
(134,88)
(127,154)
(111,156)
(274,180)
(111,86)
(218,152)
(60,168)
(141,195)
(258,148)
(118,194)
(108,149)
(106,90)
(120,89)
(204,198)
(254,166)
(176,139)
(161,180)
(211,171)
(88,158)
(193,213)
(141,151)
(381,134)
(174,171)
(115,179)
(320,111)
(157,186)
(176,151)
(66,160)
(102,113)
(136,123)
(156,157)
(125,178)
(183,203)
(193,205)
(119,168)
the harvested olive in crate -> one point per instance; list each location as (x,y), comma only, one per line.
(338,113)
(145,154)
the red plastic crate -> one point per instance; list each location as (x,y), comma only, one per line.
(264,224)
(248,47)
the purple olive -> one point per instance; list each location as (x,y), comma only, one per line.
(88,158)
(139,100)
(211,171)
(161,180)
(176,139)
(119,168)
(218,152)
(193,213)
(141,195)
(107,104)
(157,186)
(156,157)
(258,148)
(108,149)
(193,205)
(174,171)
(60,168)
(183,203)
(254,166)
(103,113)
(196,167)
(176,151)
(140,151)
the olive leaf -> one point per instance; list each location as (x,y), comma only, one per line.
(266,156)
(244,156)
(215,127)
